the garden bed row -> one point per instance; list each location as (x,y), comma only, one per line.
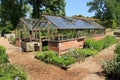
(91,47)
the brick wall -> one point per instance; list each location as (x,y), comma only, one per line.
(17,42)
(54,46)
(65,46)
(98,37)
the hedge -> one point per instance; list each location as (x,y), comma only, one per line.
(8,71)
(3,55)
(100,44)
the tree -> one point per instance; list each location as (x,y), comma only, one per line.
(105,9)
(37,7)
(12,10)
(51,7)
(54,7)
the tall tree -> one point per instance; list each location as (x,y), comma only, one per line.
(54,7)
(104,9)
(51,7)
(36,5)
(12,10)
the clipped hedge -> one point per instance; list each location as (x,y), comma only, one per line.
(3,55)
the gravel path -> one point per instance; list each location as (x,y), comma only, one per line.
(90,69)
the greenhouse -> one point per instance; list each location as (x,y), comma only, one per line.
(57,32)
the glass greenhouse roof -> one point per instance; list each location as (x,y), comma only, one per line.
(70,23)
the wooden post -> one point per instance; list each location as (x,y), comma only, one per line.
(20,47)
(48,30)
(52,35)
(76,33)
(58,35)
(40,41)
(62,34)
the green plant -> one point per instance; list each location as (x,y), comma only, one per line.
(100,44)
(45,48)
(93,44)
(108,40)
(117,50)
(7,28)
(86,52)
(3,55)
(52,57)
(12,40)
(9,72)
(112,67)
(111,24)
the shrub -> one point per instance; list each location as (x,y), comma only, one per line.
(12,40)
(45,48)
(117,50)
(112,67)
(108,40)
(93,44)
(100,44)
(9,72)
(3,55)
(111,23)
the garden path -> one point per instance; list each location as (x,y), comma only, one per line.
(90,69)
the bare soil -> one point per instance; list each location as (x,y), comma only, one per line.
(90,69)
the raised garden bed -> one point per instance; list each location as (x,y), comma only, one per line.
(64,61)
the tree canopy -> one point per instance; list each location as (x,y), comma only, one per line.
(105,9)
(12,10)
(51,7)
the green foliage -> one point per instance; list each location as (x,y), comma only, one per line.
(66,59)
(86,52)
(9,72)
(45,48)
(112,67)
(12,10)
(117,51)
(49,7)
(52,57)
(3,55)
(12,40)
(93,44)
(106,10)
(100,44)
(108,40)
(6,28)
(111,24)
